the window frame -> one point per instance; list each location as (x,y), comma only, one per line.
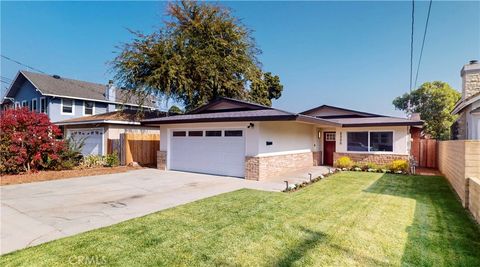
(85,108)
(40,105)
(370,140)
(25,102)
(227,135)
(32,108)
(213,131)
(62,105)
(17,105)
(195,133)
(369,143)
(180,135)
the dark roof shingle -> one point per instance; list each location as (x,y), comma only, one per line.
(50,85)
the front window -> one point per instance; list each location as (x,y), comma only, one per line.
(67,106)
(17,104)
(88,107)
(357,141)
(34,104)
(381,141)
(43,105)
(24,103)
(370,141)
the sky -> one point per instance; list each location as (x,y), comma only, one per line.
(349,54)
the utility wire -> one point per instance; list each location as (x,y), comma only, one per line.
(411,44)
(20,63)
(423,42)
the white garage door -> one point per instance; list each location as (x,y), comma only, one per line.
(92,138)
(208,151)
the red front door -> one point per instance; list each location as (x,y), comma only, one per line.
(328,148)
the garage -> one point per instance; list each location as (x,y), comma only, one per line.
(92,139)
(212,151)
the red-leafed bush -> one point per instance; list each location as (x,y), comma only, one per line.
(28,141)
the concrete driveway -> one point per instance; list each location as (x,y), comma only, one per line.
(35,213)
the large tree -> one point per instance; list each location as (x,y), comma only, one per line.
(434,101)
(202,52)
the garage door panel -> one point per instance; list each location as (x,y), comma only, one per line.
(208,154)
(92,140)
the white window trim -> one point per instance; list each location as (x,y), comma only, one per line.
(36,104)
(372,152)
(40,105)
(85,106)
(66,113)
(17,105)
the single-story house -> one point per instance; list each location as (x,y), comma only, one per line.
(467,108)
(241,139)
(95,130)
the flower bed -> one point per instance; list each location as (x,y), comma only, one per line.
(298,186)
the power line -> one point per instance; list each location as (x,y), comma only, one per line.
(20,63)
(423,42)
(411,44)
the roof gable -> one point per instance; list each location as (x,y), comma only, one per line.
(224,104)
(325,111)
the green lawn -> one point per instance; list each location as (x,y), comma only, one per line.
(347,219)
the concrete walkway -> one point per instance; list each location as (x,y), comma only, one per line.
(35,213)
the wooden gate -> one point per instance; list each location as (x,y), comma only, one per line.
(136,147)
(424,151)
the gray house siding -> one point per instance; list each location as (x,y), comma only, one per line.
(56,109)
(27,92)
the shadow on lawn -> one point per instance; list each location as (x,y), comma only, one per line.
(442,232)
(313,239)
(297,252)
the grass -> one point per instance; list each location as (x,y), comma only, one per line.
(351,218)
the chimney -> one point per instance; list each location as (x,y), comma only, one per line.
(470,79)
(415,116)
(110,91)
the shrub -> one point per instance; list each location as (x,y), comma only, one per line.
(72,155)
(28,141)
(344,162)
(111,160)
(369,165)
(398,165)
(91,161)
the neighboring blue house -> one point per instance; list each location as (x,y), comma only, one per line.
(62,98)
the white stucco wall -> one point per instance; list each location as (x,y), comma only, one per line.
(401,138)
(286,137)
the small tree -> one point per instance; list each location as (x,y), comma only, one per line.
(434,101)
(28,141)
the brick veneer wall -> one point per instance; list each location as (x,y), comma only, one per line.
(379,159)
(162,160)
(258,168)
(317,158)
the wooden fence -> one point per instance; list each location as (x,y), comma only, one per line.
(424,151)
(459,161)
(135,147)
